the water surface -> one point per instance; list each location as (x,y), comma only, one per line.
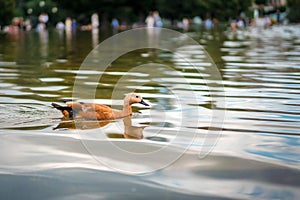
(252,154)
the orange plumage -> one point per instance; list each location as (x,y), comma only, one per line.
(99,111)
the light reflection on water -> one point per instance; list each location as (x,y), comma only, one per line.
(256,156)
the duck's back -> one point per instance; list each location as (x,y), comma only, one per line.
(91,111)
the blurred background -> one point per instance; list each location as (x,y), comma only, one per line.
(133,13)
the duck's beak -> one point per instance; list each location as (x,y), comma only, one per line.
(144,103)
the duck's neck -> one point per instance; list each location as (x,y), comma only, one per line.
(127,110)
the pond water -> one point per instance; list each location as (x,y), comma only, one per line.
(231,136)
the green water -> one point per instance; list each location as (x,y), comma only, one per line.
(179,151)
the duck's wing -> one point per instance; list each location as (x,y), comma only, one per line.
(91,111)
(74,105)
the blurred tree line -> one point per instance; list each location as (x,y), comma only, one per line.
(294,10)
(220,9)
(127,10)
(130,10)
(133,10)
(7,8)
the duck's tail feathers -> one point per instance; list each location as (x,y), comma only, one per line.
(59,107)
(66,111)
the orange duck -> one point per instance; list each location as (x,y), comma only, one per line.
(98,111)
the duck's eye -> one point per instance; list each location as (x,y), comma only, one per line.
(137,97)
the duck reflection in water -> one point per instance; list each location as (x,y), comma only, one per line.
(80,124)
(130,131)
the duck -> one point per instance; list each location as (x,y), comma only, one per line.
(93,111)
